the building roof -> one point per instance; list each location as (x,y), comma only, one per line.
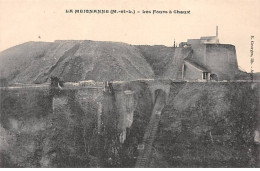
(208,37)
(196,65)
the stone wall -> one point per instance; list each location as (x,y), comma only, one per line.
(220,59)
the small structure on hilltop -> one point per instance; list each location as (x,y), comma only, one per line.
(203,40)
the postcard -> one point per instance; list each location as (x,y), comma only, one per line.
(129,84)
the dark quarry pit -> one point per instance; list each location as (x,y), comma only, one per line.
(200,125)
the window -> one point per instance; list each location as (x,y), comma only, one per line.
(205,75)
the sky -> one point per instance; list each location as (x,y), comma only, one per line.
(46,20)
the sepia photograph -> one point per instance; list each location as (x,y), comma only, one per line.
(129,84)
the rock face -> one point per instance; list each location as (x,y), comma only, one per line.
(73,128)
(36,62)
(210,125)
(202,125)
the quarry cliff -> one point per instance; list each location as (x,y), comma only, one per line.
(200,125)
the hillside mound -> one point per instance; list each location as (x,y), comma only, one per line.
(73,60)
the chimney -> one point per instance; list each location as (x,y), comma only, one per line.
(216,31)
